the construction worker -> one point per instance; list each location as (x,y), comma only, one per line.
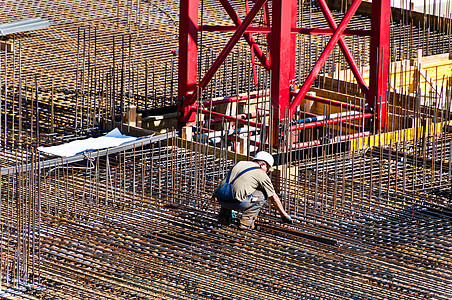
(249,188)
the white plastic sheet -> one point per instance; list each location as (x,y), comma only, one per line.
(112,139)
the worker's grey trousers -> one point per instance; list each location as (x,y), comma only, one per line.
(250,207)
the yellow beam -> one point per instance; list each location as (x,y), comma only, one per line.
(395,136)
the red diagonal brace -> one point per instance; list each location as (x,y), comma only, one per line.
(347,54)
(248,37)
(323,57)
(226,50)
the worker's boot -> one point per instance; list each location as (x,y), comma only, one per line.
(245,227)
(246,221)
(225,216)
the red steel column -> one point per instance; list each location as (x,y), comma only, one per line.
(188,60)
(283,42)
(293,45)
(379,59)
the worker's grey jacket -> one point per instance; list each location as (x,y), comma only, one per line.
(250,181)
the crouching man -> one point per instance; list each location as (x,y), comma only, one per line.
(246,188)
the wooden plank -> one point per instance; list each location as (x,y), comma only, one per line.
(328,94)
(6,45)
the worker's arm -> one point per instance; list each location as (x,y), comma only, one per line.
(278,206)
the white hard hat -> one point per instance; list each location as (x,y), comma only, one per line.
(265,156)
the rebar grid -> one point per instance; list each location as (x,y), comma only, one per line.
(139,224)
(371,224)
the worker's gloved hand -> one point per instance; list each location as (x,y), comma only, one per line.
(286,219)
